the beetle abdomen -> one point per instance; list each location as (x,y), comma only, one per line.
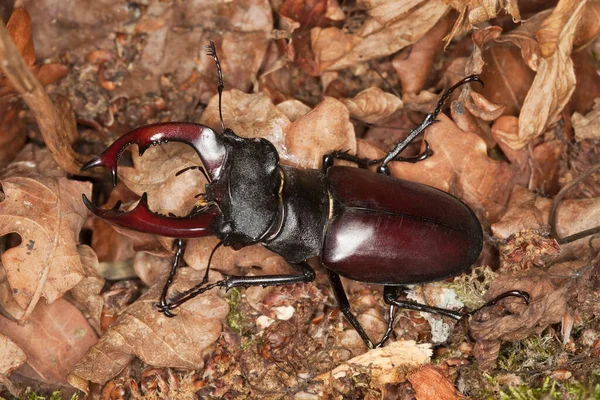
(390,231)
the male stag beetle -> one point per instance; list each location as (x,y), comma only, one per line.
(364,226)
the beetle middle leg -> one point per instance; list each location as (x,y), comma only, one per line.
(391,293)
(306,275)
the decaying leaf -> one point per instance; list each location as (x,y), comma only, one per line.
(372,105)
(549,292)
(555,79)
(301,143)
(429,384)
(12,357)
(141,331)
(587,127)
(384,363)
(48,215)
(474,12)
(389,28)
(526,210)
(56,336)
(87,291)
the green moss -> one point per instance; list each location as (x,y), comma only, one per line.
(235,320)
(470,288)
(533,353)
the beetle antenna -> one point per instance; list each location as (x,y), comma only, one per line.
(211,50)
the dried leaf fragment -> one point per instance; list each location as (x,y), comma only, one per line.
(372,105)
(141,331)
(48,215)
(55,337)
(390,27)
(430,384)
(384,363)
(554,82)
(587,127)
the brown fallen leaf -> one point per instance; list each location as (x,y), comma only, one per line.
(389,28)
(554,82)
(526,210)
(429,384)
(141,331)
(586,127)
(422,54)
(48,215)
(372,105)
(383,363)
(549,293)
(301,143)
(87,291)
(12,357)
(475,12)
(56,336)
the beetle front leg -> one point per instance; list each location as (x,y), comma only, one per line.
(307,275)
(179,245)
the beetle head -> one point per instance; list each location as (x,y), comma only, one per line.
(246,190)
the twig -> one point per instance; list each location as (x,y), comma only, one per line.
(55,128)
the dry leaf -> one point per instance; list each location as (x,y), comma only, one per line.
(389,27)
(48,215)
(141,331)
(477,11)
(555,79)
(372,105)
(56,336)
(421,54)
(301,144)
(87,291)
(549,292)
(383,363)
(429,384)
(526,210)
(586,127)
(13,357)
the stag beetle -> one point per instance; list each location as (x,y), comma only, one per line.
(364,226)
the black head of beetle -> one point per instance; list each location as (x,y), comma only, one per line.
(246,190)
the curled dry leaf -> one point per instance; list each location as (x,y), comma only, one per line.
(482,108)
(56,336)
(475,12)
(526,210)
(587,127)
(389,27)
(12,357)
(549,292)
(500,65)
(141,331)
(48,215)
(429,384)
(87,291)
(372,105)
(383,363)
(555,79)
(421,54)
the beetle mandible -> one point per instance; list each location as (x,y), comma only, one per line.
(364,226)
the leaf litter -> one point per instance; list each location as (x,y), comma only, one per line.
(312,77)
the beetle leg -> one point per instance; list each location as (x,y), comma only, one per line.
(306,275)
(428,121)
(179,245)
(344,305)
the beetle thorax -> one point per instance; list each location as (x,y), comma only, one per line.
(246,191)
